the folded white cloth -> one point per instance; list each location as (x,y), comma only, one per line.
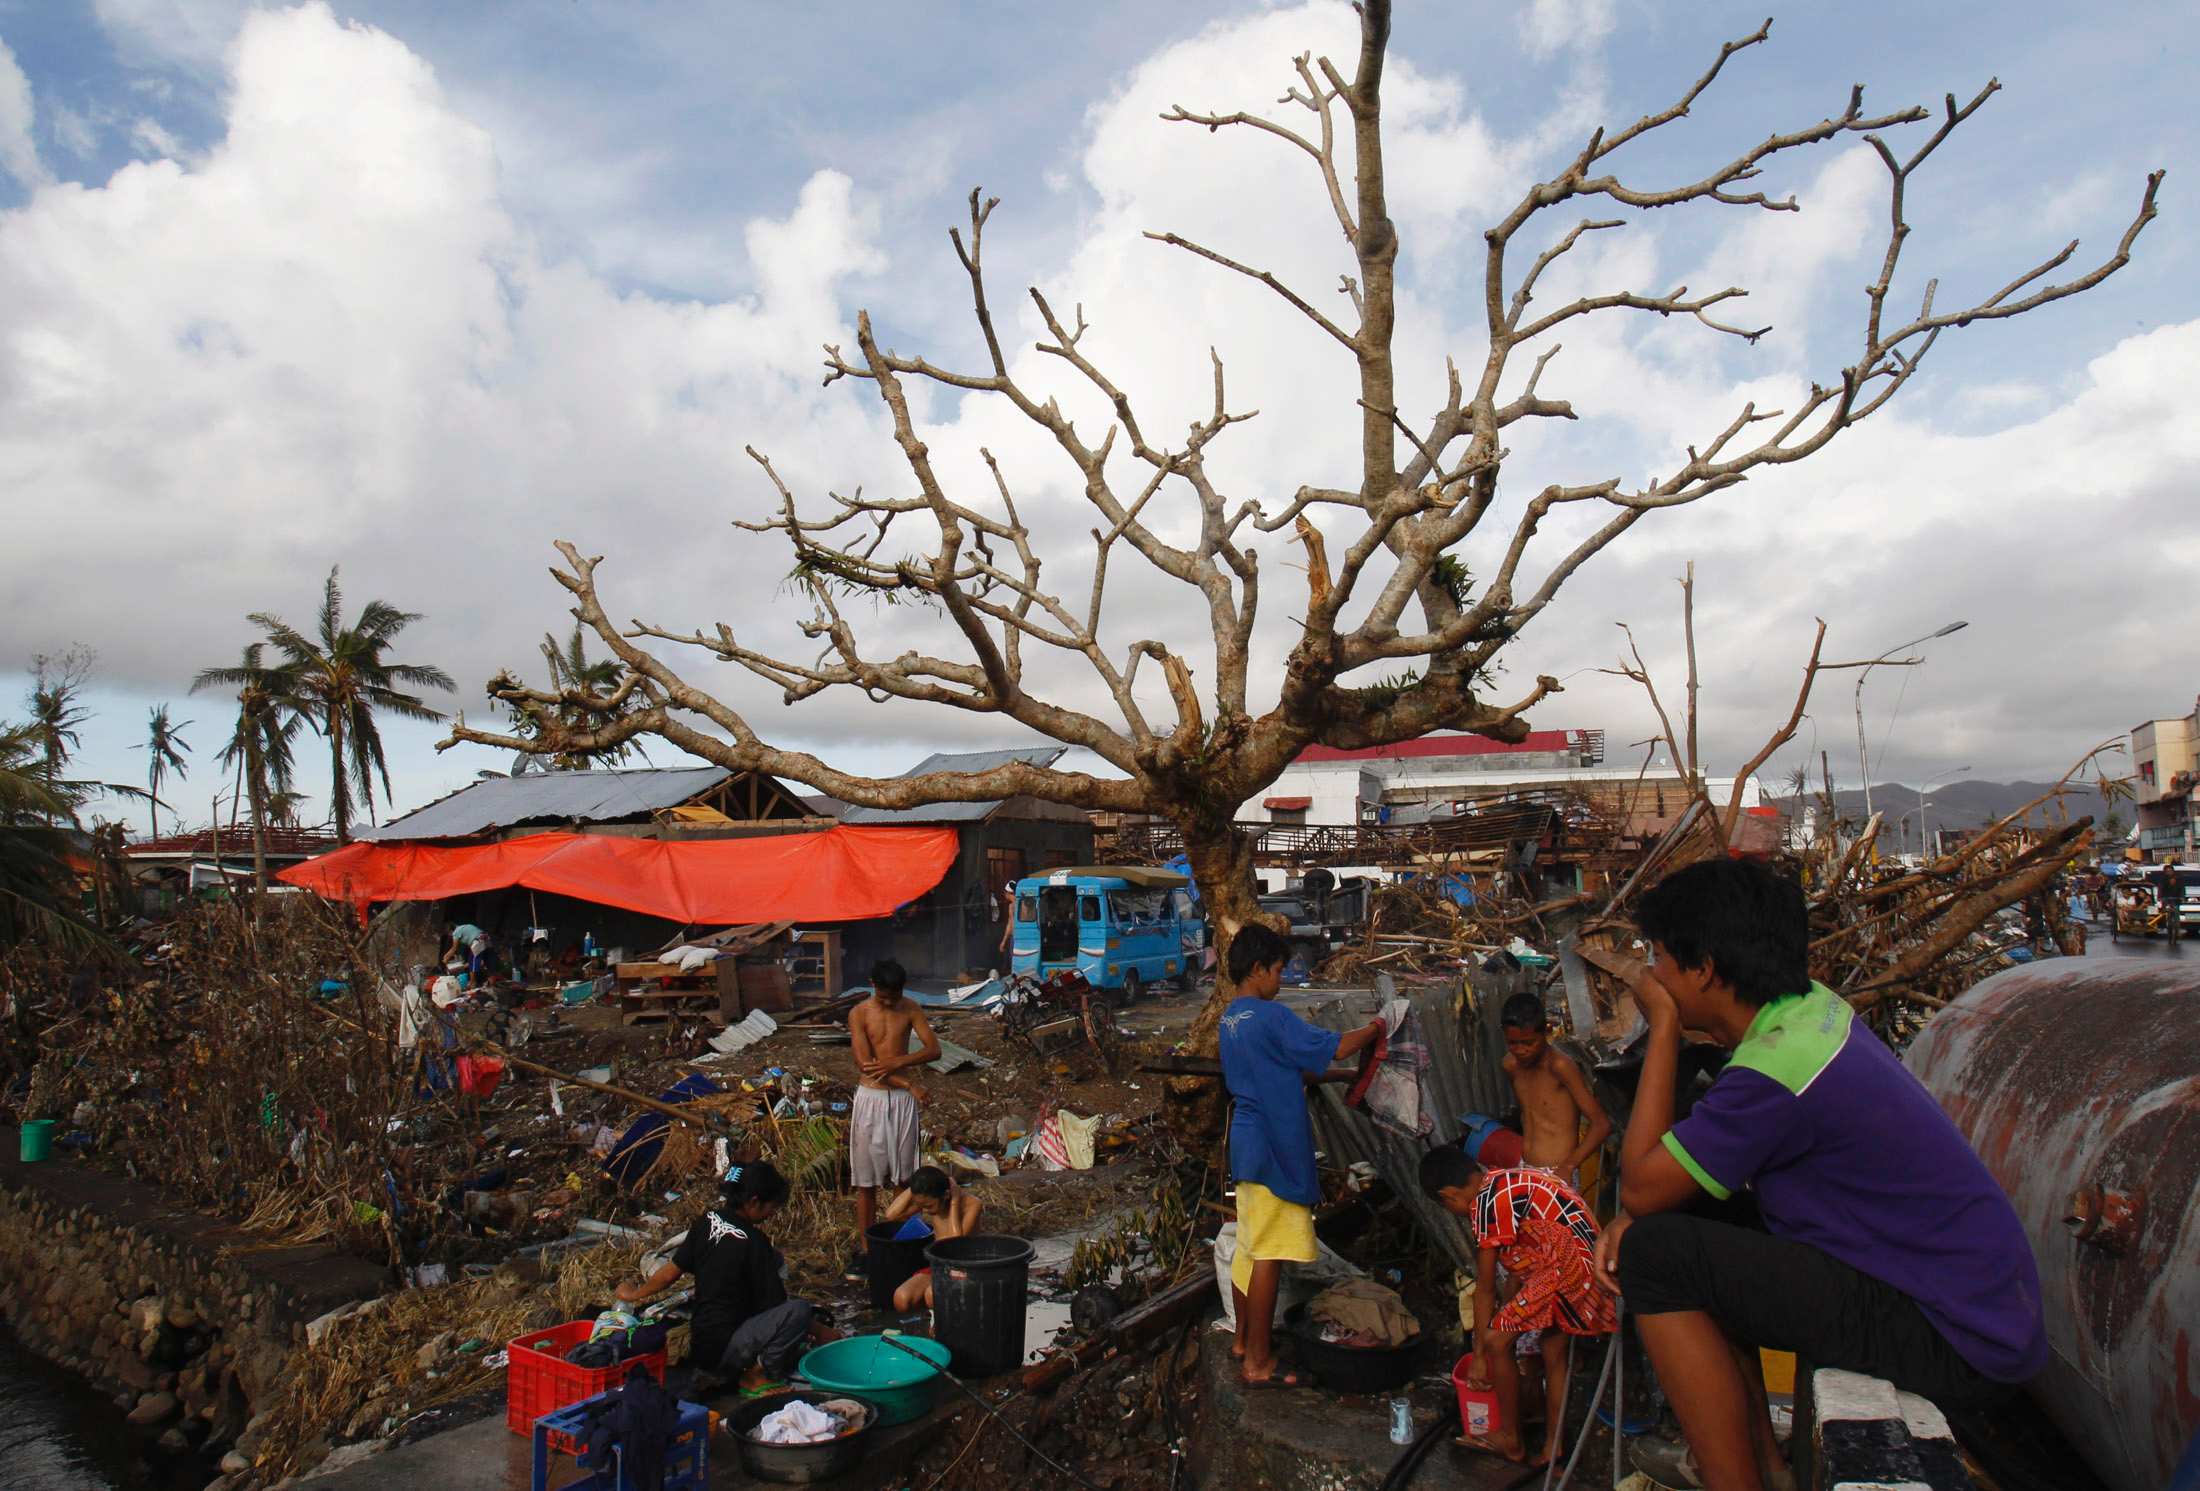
(797,1423)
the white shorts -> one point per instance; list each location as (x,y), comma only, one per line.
(882,1137)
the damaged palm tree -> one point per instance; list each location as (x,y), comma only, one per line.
(1388,568)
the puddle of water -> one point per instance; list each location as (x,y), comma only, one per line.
(1044,1319)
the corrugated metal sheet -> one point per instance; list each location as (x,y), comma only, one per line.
(1465,1075)
(550,797)
(954,812)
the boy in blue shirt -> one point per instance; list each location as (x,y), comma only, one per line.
(1268,1054)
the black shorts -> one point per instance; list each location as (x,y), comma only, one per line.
(1788,1296)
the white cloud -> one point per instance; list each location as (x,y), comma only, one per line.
(193,32)
(1551,26)
(328,341)
(18,154)
(72,131)
(332,337)
(151,137)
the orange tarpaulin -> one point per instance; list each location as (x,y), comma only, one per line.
(841,874)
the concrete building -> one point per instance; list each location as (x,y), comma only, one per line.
(1422,778)
(2163,759)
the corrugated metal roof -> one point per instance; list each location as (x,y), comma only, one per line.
(1465,1075)
(550,797)
(954,812)
(295,843)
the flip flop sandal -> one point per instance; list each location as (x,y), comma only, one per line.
(1667,1464)
(1273,1381)
(765,1389)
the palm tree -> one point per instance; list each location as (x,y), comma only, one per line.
(572,670)
(37,881)
(343,679)
(269,716)
(166,747)
(57,707)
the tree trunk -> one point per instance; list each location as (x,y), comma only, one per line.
(1222,864)
(339,797)
(256,784)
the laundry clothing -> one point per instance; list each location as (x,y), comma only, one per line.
(629,1433)
(1542,1232)
(1268,1227)
(1788,1296)
(1848,1153)
(737,1278)
(1267,1053)
(1361,1312)
(882,1136)
(1393,1087)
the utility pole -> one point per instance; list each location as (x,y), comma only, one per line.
(1863,754)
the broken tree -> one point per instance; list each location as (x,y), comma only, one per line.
(1421,565)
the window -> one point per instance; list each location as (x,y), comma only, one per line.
(1088,908)
(1287,815)
(1027,908)
(1137,907)
(1060,859)
(2146,772)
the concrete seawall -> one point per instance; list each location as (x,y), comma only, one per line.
(188,1317)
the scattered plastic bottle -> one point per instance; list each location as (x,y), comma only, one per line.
(1401,1421)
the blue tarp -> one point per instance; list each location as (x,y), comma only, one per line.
(640,1145)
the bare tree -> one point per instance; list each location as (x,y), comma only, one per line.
(1424,491)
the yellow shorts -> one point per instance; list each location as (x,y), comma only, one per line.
(1268,1227)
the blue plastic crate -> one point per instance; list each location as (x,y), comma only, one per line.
(687,1461)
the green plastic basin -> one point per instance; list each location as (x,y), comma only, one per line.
(899,1386)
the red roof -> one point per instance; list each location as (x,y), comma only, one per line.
(293,842)
(1286,804)
(1447,745)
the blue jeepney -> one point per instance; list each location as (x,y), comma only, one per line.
(1122,926)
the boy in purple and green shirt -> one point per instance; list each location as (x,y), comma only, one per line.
(1889,1249)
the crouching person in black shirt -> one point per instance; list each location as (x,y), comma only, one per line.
(744,1326)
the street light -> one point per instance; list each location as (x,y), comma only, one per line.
(1863,757)
(1921,797)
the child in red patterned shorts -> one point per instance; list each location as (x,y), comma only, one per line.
(1540,1229)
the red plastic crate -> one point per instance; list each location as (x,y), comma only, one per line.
(539,1380)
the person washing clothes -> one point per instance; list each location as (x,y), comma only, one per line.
(935,1209)
(1529,1220)
(1268,1054)
(744,1326)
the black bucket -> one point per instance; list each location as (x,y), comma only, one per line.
(887,1264)
(978,1286)
(1351,1369)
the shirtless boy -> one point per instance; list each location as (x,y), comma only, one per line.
(882,1121)
(1554,1096)
(948,1209)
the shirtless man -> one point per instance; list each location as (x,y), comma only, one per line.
(1554,1096)
(882,1121)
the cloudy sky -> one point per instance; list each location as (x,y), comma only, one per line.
(414,288)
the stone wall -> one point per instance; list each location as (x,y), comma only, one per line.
(181,1316)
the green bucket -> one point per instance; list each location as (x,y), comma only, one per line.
(897,1384)
(34,1141)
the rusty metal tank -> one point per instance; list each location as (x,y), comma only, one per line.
(2078,1081)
